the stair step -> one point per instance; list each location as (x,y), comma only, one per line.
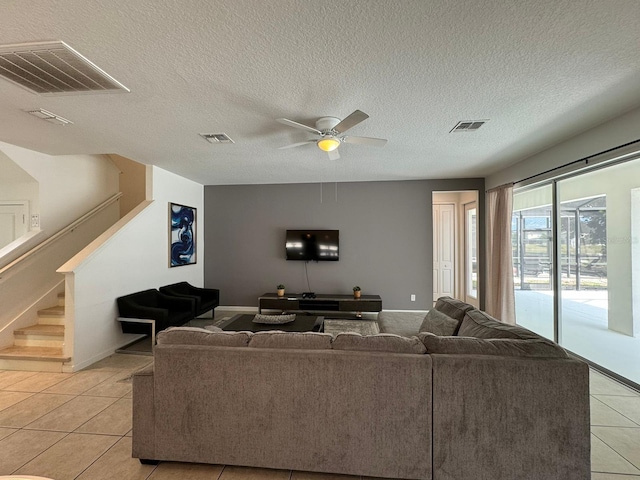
(51,316)
(57,311)
(42,330)
(39,336)
(42,354)
(61,299)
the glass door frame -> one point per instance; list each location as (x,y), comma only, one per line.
(468,258)
(556,278)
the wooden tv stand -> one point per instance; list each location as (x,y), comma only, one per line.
(325,303)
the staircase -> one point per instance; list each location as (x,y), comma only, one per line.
(39,347)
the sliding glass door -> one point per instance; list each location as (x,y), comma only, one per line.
(532,245)
(599,218)
(576,252)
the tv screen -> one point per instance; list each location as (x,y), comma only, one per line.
(312,245)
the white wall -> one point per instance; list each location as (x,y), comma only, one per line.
(131,256)
(69,185)
(611,134)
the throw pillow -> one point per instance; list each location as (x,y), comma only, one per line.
(438,323)
(453,307)
(479,324)
(274,319)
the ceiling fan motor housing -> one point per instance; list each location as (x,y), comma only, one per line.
(326,124)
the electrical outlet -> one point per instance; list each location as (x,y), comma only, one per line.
(35,221)
(413,297)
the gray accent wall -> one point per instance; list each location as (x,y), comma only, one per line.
(386,244)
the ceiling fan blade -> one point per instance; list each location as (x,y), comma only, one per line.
(299,144)
(291,123)
(333,155)
(374,142)
(351,121)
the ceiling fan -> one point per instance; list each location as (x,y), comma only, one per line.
(330,132)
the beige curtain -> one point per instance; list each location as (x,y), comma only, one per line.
(500,302)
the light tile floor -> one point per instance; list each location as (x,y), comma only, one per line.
(78,426)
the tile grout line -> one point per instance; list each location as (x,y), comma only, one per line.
(45,450)
(621,456)
(99,456)
(618,412)
(26,427)
(46,413)
(98,413)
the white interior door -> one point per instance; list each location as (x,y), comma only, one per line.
(443,250)
(13,221)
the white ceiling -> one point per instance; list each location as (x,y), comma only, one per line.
(541,71)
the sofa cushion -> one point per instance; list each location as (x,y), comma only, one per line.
(382,342)
(202,336)
(300,340)
(438,323)
(500,346)
(405,324)
(453,308)
(479,324)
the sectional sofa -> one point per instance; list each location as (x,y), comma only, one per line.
(486,401)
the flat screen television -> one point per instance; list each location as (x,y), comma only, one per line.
(313,245)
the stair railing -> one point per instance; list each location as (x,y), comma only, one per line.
(4,271)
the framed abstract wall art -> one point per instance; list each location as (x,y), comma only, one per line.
(182,235)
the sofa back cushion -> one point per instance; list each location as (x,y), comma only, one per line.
(438,323)
(479,324)
(147,298)
(299,340)
(453,308)
(500,346)
(201,336)
(382,342)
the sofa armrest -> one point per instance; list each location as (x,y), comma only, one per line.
(498,415)
(143,434)
(133,310)
(207,294)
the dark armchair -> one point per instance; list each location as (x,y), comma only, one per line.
(151,311)
(206,298)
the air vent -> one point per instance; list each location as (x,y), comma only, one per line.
(54,68)
(216,138)
(468,126)
(50,117)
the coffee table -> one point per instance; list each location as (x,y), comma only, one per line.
(302,323)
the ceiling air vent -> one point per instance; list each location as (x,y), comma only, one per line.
(468,126)
(50,117)
(216,138)
(54,68)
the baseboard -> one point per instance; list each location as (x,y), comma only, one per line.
(67,368)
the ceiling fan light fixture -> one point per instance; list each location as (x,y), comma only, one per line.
(328,144)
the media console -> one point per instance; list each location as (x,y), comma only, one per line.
(325,303)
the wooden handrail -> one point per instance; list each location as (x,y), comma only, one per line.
(69,228)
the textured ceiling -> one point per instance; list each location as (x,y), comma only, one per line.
(540,71)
